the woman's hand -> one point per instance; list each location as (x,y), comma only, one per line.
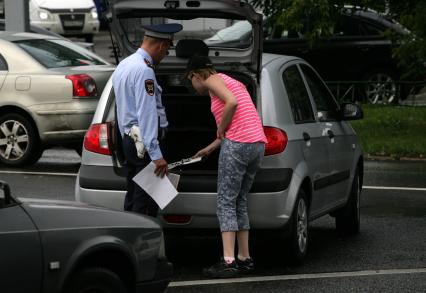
(207,150)
(220,133)
(201,153)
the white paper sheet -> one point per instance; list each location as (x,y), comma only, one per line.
(174,179)
(160,189)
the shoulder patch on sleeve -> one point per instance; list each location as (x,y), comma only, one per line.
(149,86)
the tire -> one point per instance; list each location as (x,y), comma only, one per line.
(299,230)
(382,87)
(19,141)
(98,280)
(349,217)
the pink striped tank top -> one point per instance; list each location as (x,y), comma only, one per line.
(245,125)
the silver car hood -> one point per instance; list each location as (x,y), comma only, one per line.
(249,57)
(58,214)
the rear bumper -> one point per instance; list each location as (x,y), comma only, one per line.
(267,209)
(267,180)
(161,280)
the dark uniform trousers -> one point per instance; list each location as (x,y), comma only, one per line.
(137,200)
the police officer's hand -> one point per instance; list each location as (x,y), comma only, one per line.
(161,167)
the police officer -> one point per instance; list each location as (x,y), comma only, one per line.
(138,100)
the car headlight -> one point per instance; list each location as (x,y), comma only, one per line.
(94,13)
(43,14)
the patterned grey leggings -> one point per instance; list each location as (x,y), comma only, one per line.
(238,164)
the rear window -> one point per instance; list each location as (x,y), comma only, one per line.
(58,53)
(216,32)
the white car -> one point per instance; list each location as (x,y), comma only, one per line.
(77,18)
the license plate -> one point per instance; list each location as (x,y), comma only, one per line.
(73,23)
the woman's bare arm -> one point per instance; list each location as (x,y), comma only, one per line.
(217,87)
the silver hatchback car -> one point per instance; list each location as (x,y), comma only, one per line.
(313,163)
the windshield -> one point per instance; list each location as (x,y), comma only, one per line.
(59,53)
(215,32)
(239,32)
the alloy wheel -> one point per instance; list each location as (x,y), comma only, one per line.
(381,89)
(14,140)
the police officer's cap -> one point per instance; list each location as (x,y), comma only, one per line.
(162,31)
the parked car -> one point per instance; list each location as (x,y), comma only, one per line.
(313,162)
(39,30)
(48,94)
(358,50)
(58,246)
(66,17)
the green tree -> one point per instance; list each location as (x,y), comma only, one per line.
(318,17)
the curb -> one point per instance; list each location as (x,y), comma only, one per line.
(393,159)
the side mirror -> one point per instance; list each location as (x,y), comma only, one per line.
(350,111)
(6,192)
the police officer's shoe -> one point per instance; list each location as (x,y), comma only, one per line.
(222,270)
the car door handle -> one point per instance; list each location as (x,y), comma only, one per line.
(306,137)
(330,134)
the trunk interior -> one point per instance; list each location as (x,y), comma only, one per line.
(191,124)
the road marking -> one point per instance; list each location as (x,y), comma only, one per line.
(39,173)
(395,188)
(299,277)
(75,174)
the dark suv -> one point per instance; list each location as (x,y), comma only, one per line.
(357,50)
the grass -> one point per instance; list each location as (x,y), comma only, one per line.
(394,131)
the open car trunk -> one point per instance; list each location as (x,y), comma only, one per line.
(201,19)
(191,124)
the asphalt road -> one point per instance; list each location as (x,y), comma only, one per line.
(389,255)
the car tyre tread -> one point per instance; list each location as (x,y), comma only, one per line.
(348,218)
(104,280)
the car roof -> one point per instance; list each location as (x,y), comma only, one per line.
(375,16)
(19,36)
(268,58)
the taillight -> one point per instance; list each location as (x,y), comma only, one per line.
(277,140)
(97,139)
(83,85)
(177,219)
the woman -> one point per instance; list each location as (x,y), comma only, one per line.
(242,140)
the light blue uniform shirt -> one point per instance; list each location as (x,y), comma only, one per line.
(138,99)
